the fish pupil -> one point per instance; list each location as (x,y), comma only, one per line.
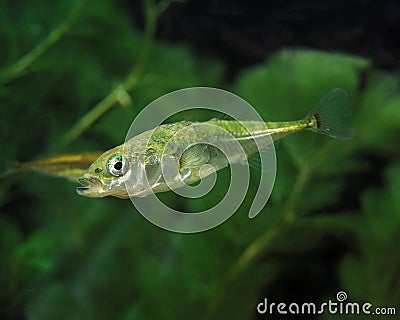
(118,165)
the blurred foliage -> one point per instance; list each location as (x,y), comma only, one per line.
(332,223)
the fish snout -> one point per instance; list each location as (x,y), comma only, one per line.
(89,185)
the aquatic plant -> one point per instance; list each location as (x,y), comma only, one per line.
(332,222)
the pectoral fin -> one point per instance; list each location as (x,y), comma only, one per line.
(195,156)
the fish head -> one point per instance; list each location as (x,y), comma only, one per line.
(106,176)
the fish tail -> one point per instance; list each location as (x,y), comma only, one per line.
(332,116)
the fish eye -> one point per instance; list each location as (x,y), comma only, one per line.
(117,165)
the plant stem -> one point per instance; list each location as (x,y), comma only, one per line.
(21,65)
(287,219)
(120,93)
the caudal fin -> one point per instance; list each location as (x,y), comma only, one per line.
(333,115)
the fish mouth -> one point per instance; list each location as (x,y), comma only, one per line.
(90,186)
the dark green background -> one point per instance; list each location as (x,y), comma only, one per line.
(332,222)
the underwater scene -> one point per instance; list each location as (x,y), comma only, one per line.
(268,189)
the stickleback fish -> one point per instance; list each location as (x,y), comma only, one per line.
(70,166)
(144,158)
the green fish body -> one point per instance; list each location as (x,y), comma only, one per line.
(181,153)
